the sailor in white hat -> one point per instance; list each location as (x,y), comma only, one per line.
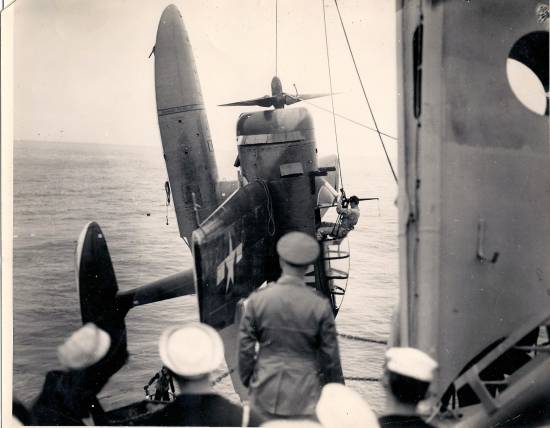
(69,396)
(342,407)
(294,326)
(84,347)
(409,373)
(191,352)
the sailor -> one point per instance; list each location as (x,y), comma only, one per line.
(90,357)
(191,352)
(20,414)
(294,327)
(164,380)
(342,407)
(348,218)
(409,373)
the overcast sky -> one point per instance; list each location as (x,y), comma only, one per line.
(82,72)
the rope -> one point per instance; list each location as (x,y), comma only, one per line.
(221,377)
(364,92)
(362,339)
(332,94)
(362,379)
(270,218)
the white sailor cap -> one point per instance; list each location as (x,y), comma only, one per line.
(411,362)
(298,248)
(342,407)
(85,347)
(191,350)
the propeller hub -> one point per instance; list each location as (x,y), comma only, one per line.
(278,98)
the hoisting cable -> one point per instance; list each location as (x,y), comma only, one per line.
(331,94)
(364,92)
(276,37)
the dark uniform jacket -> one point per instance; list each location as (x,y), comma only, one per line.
(298,349)
(199,410)
(411,421)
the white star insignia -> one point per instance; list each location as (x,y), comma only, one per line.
(226,269)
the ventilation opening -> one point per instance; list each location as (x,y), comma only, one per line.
(417,70)
(527,71)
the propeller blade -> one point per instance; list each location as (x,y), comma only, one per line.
(311,96)
(265,101)
(292,99)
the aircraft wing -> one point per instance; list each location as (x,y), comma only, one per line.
(265,101)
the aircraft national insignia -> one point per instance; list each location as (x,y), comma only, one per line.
(226,269)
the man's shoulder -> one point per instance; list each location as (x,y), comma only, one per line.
(223,408)
(261,291)
(302,295)
(298,287)
(210,401)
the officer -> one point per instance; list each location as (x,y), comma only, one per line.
(348,219)
(294,327)
(191,352)
(164,380)
(409,373)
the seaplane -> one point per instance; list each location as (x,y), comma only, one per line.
(230,227)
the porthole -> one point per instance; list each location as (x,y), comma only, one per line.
(527,71)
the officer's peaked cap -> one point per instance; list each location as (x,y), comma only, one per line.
(298,248)
(191,350)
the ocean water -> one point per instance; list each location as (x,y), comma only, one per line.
(59,187)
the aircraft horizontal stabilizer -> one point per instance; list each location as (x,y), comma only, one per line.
(179,284)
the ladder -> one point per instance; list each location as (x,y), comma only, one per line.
(335,257)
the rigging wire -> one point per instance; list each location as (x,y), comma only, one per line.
(364,92)
(332,95)
(348,119)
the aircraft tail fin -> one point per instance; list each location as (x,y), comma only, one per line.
(232,251)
